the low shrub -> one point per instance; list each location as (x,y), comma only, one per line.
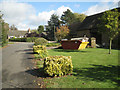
(40,41)
(31,39)
(25,39)
(58,65)
(18,39)
(41,51)
(53,44)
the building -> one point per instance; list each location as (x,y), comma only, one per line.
(89,28)
(17,33)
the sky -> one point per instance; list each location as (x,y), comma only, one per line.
(32,13)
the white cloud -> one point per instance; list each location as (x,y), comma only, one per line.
(43,17)
(16,13)
(101,7)
(24,16)
(62,9)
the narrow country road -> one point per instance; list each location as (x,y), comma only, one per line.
(16,61)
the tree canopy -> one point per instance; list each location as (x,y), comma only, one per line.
(62,32)
(67,17)
(4,29)
(40,29)
(53,23)
(109,24)
(79,17)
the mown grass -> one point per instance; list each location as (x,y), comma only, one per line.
(93,68)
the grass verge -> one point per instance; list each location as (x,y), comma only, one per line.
(93,68)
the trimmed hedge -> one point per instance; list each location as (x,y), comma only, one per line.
(58,65)
(40,41)
(53,44)
(41,51)
(25,39)
(18,39)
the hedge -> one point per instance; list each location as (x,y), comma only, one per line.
(25,39)
(53,44)
(40,50)
(58,65)
(40,41)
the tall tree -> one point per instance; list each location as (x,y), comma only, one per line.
(4,27)
(40,29)
(67,17)
(52,24)
(109,24)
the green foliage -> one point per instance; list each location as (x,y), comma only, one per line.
(36,31)
(58,65)
(41,51)
(109,24)
(67,17)
(40,29)
(31,39)
(5,28)
(18,39)
(52,24)
(53,44)
(40,41)
(79,17)
(25,39)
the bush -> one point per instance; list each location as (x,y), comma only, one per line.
(58,65)
(31,39)
(25,39)
(18,39)
(40,41)
(53,44)
(41,51)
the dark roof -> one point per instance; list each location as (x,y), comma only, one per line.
(91,22)
(74,27)
(16,33)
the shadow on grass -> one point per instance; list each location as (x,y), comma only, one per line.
(37,72)
(63,50)
(99,73)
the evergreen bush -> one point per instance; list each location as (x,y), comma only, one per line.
(40,50)
(40,41)
(58,65)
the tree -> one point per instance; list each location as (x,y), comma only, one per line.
(67,17)
(62,32)
(40,29)
(109,24)
(79,17)
(52,25)
(4,27)
(13,27)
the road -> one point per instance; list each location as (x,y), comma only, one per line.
(16,61)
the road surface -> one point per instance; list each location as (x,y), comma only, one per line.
(16,61)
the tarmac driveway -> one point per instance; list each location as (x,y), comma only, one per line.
(16,61)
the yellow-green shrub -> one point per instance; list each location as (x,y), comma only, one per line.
(40,50)
(58,65)
(40,41)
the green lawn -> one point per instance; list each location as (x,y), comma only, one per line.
(93,68)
